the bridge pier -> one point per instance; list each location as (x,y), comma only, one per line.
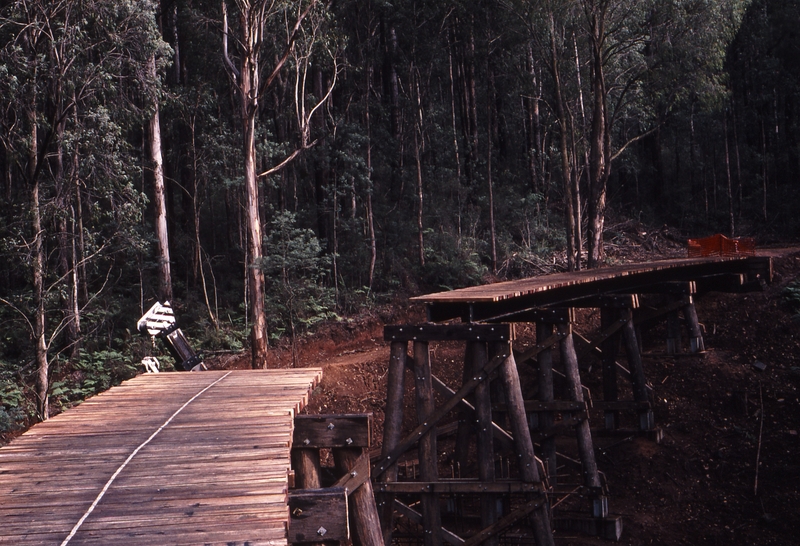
(499,421)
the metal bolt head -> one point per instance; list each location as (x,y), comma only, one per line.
(349,441)
(321,531)
(306,441)
(331,426)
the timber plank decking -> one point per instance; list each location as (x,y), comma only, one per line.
(500,301)
(204,459)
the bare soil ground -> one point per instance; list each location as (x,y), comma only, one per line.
(728,469)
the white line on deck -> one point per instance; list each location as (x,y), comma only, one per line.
(131,456)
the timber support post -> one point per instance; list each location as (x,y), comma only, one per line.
(638,381)
(608,316)
(392,429)
(320,513)
(673,332)
(488,353)
(427,453)
(591,476)
(546,419)
(528,467)
(696,344)
(485,445)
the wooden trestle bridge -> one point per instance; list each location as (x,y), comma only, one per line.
(500,487)
(224,458)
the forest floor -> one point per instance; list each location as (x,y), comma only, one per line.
(721,411)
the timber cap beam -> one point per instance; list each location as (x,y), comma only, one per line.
(332,431)
(448,332)
(318,514)
(732,283)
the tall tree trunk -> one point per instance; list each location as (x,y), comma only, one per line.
(373,249)
(38,264)
(418,159)
(692,161)
(470,110)
(66,263)
(5,166)
(247,79)
(530,106)
(739,190)
(325,199)
(258,336)
(489,142)
(576,179)
(79,273)
(157,163)
(728,174)
(391,86)
(457,182)
(764,171)
(420,231)
(566,168)
(600,139)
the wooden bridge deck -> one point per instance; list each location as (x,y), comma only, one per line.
(502,300)
(171,458)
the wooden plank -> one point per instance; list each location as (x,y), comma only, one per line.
(450,487)
(554,405)
(357,474)
(550,315)
(448,332)
(617,301)
(501,301)
(215,473)
(327,431)
(318,514)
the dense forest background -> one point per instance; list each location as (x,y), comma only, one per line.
(268,164)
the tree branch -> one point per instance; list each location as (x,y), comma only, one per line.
(289,159)
(288,51)
(231,69)
(632,140)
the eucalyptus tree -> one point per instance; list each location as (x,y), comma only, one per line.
(265,34)
(634,62)
(157,167)
(74,73)
(765,89)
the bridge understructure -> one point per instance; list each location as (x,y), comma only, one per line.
(509,456)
